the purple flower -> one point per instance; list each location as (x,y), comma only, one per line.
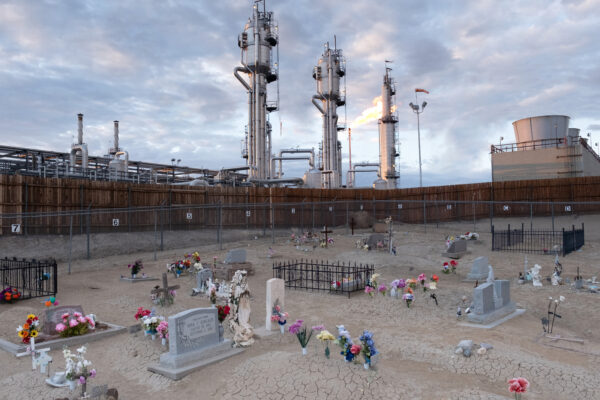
(318,328)
(82,379)
(295,327)
(93,373)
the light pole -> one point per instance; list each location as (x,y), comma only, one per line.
(419,110)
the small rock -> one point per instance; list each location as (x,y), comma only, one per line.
(458,350)
(486,346)
(467,352)
(481,351)
(465,344)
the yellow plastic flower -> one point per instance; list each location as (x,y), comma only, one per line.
(325,335)
(374,277)
(31,316)
(33,333)
(21,334)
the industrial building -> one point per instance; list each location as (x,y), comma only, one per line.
(545,148)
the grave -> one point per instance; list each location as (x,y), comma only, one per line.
(226,272)
(235,256)
(374,238)
(457,249)
(275,292)
(491,302)
(54,316)
(479,270)
(163,294)
(203,276)
(380,227)
(137,279)
(194,343)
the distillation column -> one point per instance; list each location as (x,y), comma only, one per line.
(330,69)
(257,43)
(387,133)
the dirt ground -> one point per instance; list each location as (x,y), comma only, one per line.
(417,345)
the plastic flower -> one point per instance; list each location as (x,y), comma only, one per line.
(435,278)
(518,385)
(324,335)
(31,316)
(73,323)
(355,349)
(422,277)
(82,379)
(369,290)
(295,327)
(382,289)
(374,278)
(93,373)
(318,328)
(33,333)
(60,327)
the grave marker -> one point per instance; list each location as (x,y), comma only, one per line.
(275,292)
(164,291)
(194,343)
(235,256)
(326,231)
(54,316)
(479,269)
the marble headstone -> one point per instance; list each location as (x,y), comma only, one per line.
(202,277)
(483,298)
(193,343)
(235,256)
(479,269)
(275,292)
(54,316)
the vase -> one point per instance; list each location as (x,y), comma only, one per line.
(153,336)
(221,331)
(72,385)
(133,276)
(366,365)
(83,389)
(145,333)
(304,351)
(163,341)
(578,283)
(282,328)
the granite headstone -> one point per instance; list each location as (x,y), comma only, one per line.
(235,256)
(374,239)
(54,316)
(483,298)
(479,269)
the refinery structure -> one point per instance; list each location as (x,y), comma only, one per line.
(545,146)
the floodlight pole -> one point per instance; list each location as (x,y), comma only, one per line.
(417,109)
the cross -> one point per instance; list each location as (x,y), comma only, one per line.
(38,356)
(326,231)
(164,291)
(352,225)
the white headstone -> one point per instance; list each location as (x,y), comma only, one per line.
(275,292)
(479,269)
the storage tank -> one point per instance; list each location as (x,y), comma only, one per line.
(312,179)
(573,135)
(541,127)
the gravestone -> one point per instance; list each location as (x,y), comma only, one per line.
(275,292)
(235,256)
(193,343)
(491,301)
(54,316)
(374,238)
(479,270)
(201,278)
(457,249)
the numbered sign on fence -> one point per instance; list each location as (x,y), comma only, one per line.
(506,207)
(293,211)
(248,213)
(188,216)
(448,206)
(115,221)
(330,209)
(361,206)
(15,228)
(400,206)
(568,208)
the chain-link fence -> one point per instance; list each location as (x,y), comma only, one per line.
(99,232)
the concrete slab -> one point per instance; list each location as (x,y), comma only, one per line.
(134,280)
(494,324)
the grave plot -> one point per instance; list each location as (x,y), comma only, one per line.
(27,279)
(235,260)
(538,241)
(335,278)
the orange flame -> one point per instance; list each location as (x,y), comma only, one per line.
(372,113)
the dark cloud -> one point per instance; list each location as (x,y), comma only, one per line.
(165,70)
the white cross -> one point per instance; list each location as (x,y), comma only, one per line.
(38,356)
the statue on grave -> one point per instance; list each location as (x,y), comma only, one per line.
(239,302)
(490,278)
(535,275)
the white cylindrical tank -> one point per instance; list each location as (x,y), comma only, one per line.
(380,184)
(312,179)
(541,127)
(573,135)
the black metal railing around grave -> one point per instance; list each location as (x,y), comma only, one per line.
(32,278)
(336,278)
(538,241)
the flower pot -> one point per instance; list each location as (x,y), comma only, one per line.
(221,331)
(304,351)
(282,328)
(366,365)
(163,341)
(72,385)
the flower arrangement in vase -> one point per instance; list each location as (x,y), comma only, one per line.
(51,302)
(382,289)
(411,283)
(397,285)
(29,329)
(368,348)
(163,331)
(10,294)
(518,386)
(136,267)
(345,342)
(279,316)
(212,296)
(325,337)
(141,313)
(408,298)
(369,290)
(75,324)
(302,333)
(78,368)
(422,280)
(150,324)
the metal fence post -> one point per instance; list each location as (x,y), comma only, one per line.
(155,223)
(70,240)
(313,216)
(162,224)
(87,229)
(552,207)
(272,223)
(347,216)
(220,228)
(425,215)
(530,216)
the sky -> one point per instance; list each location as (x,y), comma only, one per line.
(164,69)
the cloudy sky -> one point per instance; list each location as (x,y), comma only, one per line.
(164,69)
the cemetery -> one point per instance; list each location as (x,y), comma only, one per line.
(388,311)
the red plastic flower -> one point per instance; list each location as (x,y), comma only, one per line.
(453,263)
(355,349)
(518,385)
(435,278)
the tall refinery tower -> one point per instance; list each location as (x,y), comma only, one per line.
(328,73)
(257,42)
(387,133)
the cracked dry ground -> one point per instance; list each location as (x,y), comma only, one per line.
(417,345)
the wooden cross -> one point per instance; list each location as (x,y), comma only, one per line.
(326,231)
(164,291)
(352,225)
